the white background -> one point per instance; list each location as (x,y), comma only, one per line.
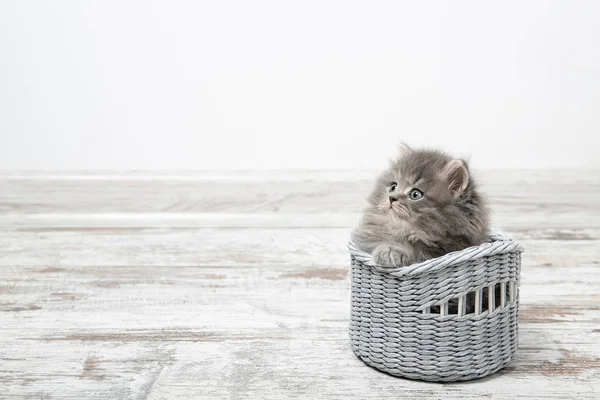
(310,84)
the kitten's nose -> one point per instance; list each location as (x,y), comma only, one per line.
(393,199)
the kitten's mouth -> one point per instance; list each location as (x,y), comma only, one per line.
(399,209)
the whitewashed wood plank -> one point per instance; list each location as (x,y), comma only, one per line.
(215,333)
(503,220)
(178,286)
(511,192)
(244,247)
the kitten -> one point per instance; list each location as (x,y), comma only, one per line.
(424,205)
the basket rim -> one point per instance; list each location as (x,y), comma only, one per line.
(497,244)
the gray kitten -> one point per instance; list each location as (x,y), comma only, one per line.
(424,205)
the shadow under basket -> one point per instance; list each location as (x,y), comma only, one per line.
(452,318)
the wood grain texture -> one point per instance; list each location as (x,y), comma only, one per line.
(236,286)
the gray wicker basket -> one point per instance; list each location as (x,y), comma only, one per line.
(415,321)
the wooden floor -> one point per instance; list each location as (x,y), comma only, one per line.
(236,286)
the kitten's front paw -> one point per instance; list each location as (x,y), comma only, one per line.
(389,257)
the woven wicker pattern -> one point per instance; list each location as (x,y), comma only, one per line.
(401,321)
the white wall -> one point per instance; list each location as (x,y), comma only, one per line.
(310,84)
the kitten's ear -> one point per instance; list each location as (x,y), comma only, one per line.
(456,174)
(404,149)
(466,163)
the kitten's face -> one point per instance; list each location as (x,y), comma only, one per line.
(418,184)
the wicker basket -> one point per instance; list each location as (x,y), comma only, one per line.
(413,321)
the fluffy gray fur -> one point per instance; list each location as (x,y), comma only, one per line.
(451,215)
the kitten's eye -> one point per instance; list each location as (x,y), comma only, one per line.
(392,187)
(416,194)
